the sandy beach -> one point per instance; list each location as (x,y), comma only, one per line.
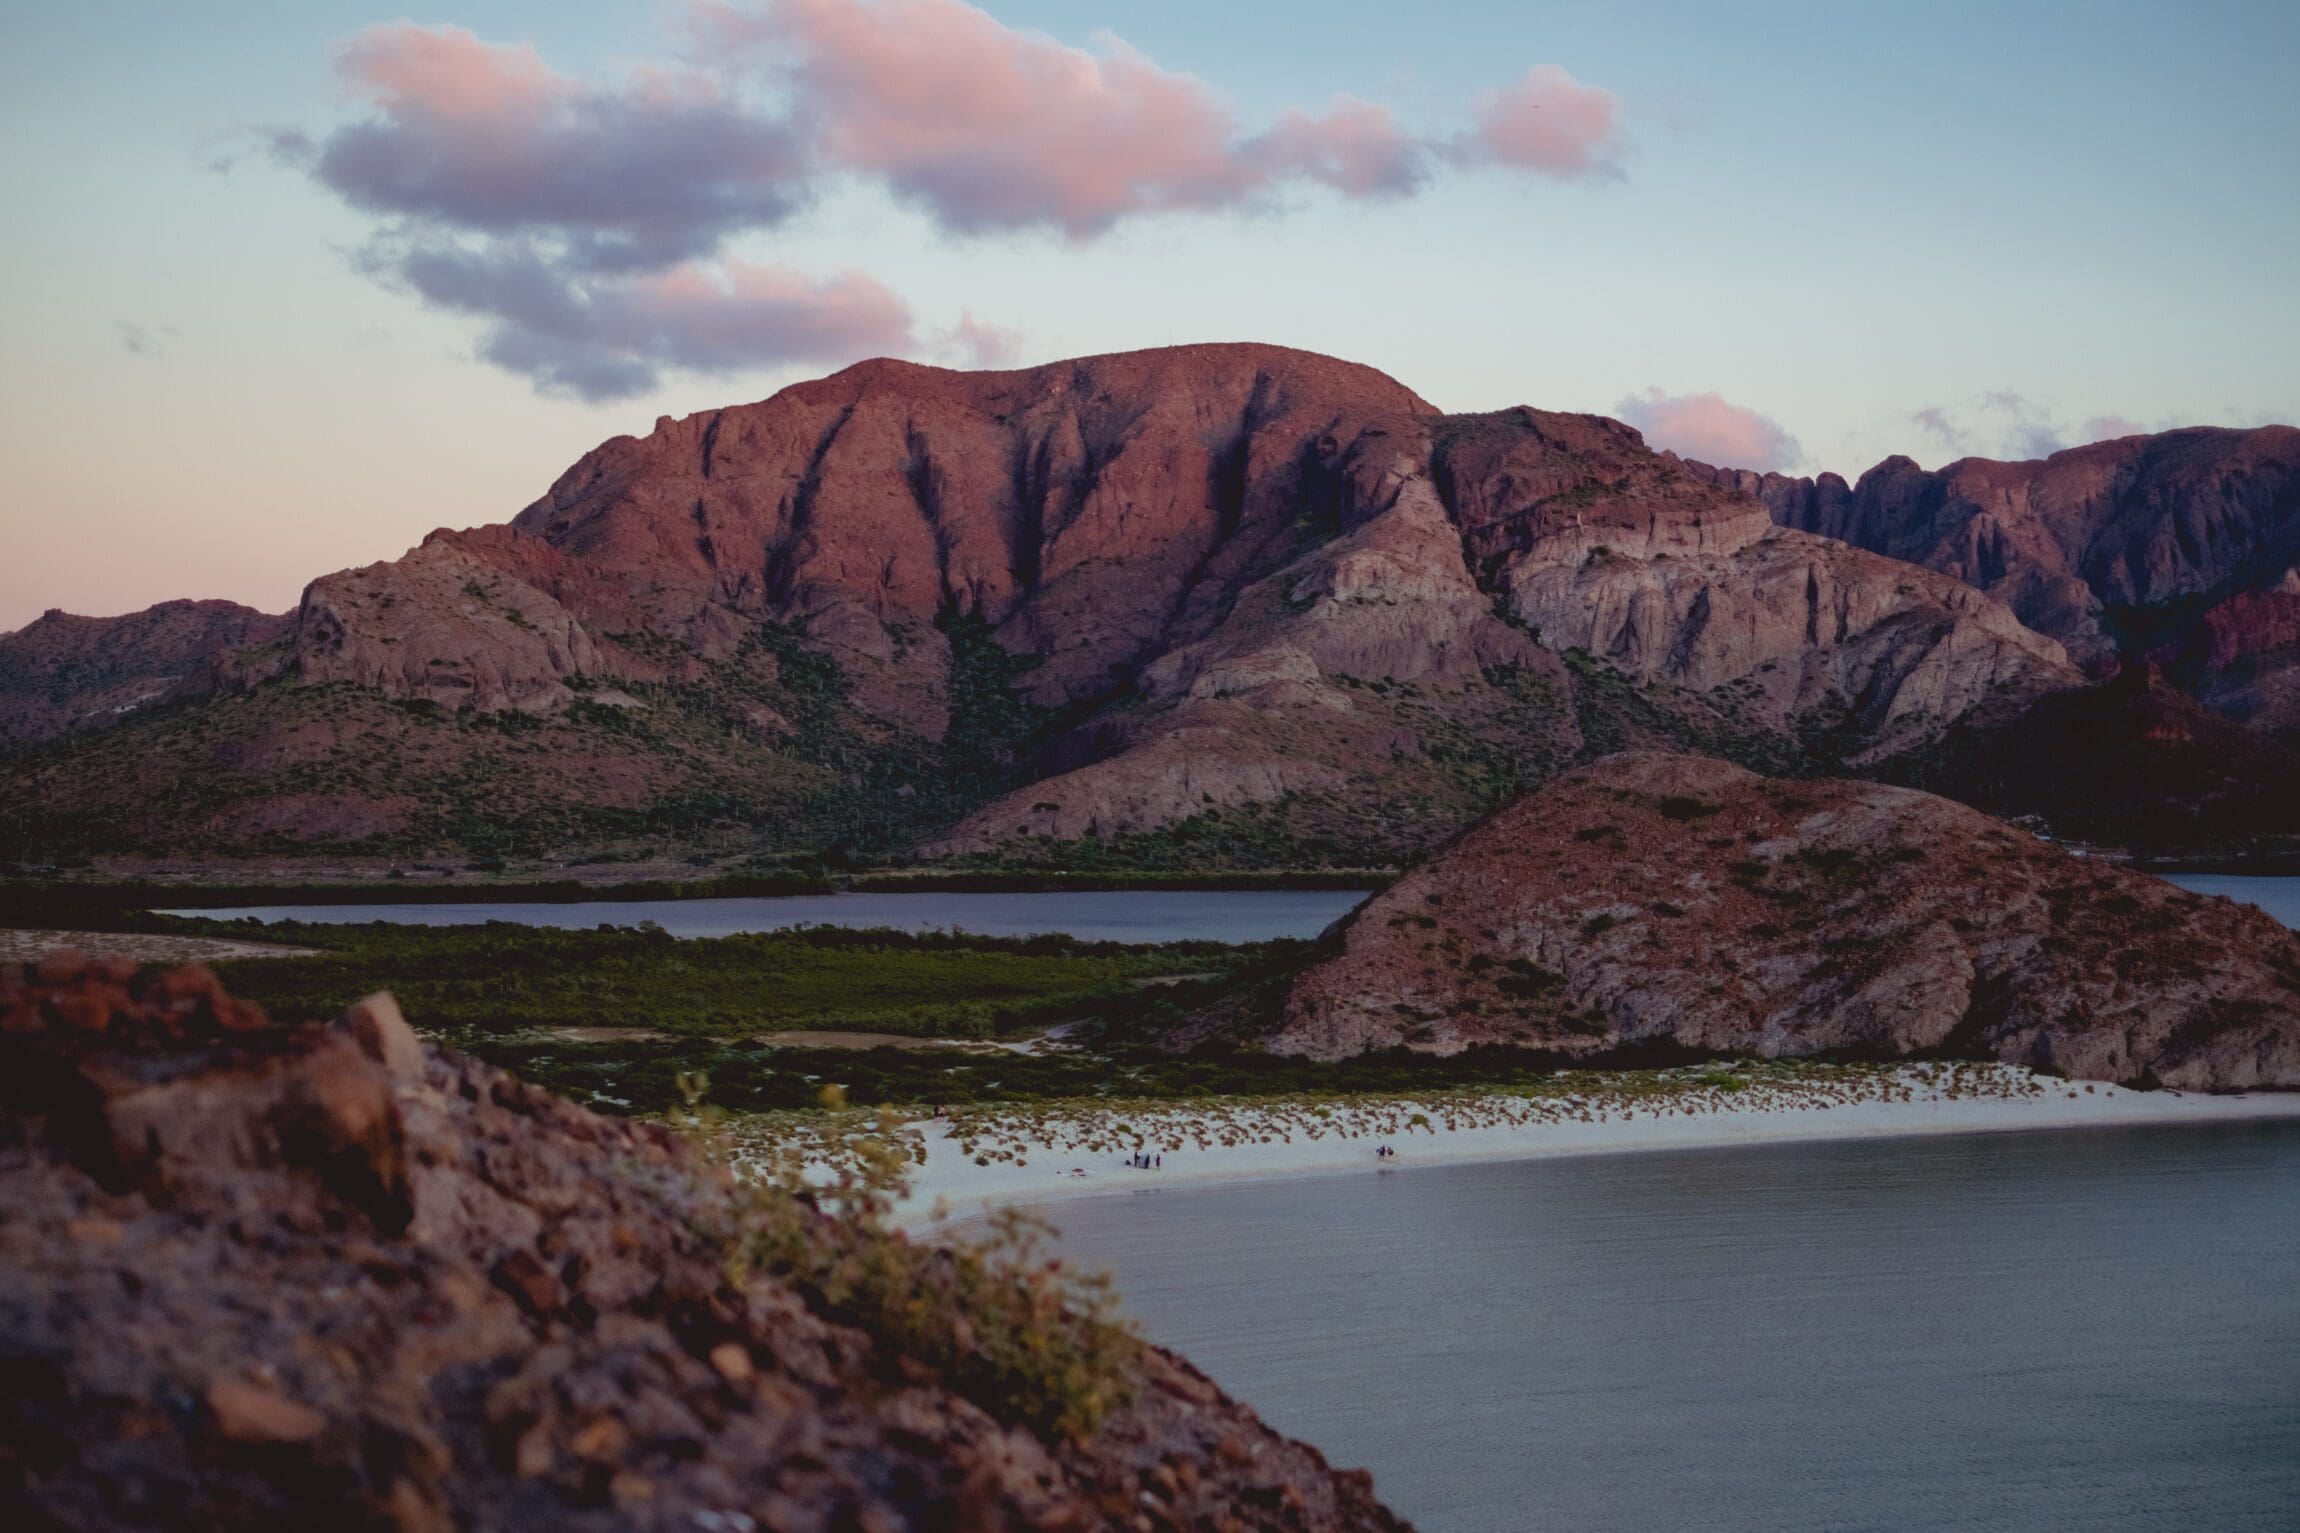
(979,1161)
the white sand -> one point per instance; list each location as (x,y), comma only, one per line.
(950,1185)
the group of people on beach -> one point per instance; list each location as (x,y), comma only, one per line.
(1384,1152)
(1146,1160)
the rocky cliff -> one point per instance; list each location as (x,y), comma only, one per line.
(1229,596)
(2181,546)
(257,1276)
(1662,900)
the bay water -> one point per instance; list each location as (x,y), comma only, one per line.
(2089,1329)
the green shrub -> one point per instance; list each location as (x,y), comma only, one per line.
(997,1320)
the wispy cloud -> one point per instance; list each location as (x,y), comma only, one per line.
(2008,424)
(972,343)
(142,340)
(1711,429)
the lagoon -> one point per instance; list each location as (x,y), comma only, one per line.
(1128,915)
(2280,897)
(1133,915)
(2081,1329)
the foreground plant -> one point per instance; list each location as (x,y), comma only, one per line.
(996,1318)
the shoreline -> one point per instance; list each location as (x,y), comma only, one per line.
(1268,1143)
(190,891)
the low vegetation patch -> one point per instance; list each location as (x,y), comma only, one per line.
(495,988)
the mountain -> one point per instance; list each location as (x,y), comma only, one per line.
(1201,604)
(59,673)
(2182,548)
(1652,900)
(267,1276)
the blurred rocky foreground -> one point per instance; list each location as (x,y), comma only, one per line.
(269,1276)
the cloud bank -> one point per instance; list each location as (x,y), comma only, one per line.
(1711,429)
(586,227)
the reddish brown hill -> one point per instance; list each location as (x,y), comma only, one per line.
(1203,603)
(1653,898)
(322,1276)
(2181,544)
(60,672)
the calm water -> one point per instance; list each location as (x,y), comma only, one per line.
(2095,1329)
(1163,915)
(2280,897)
(1238,915)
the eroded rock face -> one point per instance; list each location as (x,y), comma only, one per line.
(1480,542)
(453,623)
(1600,545)
(322,1276)
(2172,544)
(1654,898)
(61,672)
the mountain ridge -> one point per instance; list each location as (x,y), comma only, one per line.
(1221,602)
(2181,547)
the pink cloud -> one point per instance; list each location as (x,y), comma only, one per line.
(1357,148)
(1546,122)
(587,225)
(1710,429)
(448,72)
(988,127)
(992,128)
(981,345)
(2107,428)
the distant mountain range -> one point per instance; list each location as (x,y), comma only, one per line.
(2181,546)
(1204,606)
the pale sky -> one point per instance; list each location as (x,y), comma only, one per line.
(286,285)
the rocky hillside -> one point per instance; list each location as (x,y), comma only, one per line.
(2183,547)
(60,673)
(1671,902)
(255,1276)
(2133,762)
(1201,604)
